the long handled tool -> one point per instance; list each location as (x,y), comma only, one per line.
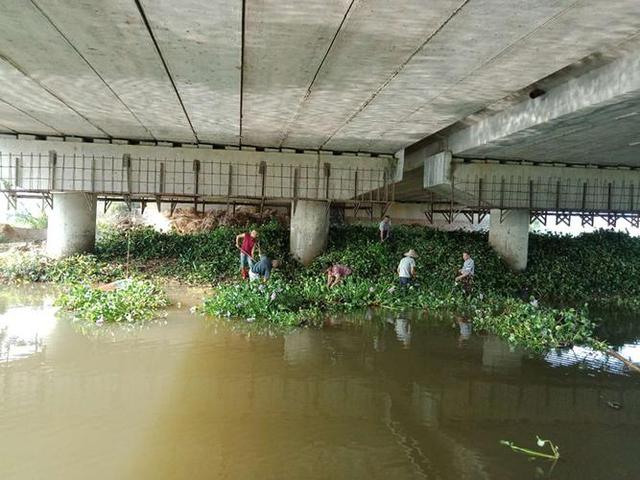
(246,253)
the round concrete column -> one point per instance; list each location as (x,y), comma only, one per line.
(4,209)
(309,229)
(510,238)
(72,224)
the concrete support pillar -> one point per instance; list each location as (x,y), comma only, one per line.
(72,224)
(4,209)
(510,238)
(309,229)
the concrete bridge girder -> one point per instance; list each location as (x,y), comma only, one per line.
(513,191)
(485,184)
(41,166)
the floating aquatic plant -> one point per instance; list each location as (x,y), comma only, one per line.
(554,455)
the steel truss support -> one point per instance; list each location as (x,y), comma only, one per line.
(587,219)
(563,218)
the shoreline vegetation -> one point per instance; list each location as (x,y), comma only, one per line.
(564,275)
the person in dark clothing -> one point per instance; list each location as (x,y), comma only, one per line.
(262,269)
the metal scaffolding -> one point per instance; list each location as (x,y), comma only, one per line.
(131,178)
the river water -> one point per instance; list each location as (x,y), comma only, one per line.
(374,395)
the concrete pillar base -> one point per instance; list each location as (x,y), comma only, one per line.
(72,224)
(309,230)
(510,239)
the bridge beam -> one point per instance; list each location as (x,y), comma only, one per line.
(589,119)
(72,224)
(520,185)
(309,229)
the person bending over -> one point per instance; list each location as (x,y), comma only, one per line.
(335,274)
(407,268)
(246,243)
(466,272)
(262,269)
(385,228)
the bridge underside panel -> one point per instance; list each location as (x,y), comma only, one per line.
(347,75)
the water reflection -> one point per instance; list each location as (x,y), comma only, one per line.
(586,358)
(402,328)
(464,325)
(24,330)
(377,395)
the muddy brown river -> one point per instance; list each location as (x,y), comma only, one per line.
(373,396)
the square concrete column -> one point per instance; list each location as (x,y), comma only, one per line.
(309,229)
(510,238)
(72,224)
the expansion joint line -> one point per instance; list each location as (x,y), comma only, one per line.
(164,64)
(315,76)
(397,71)
(85,60)
(24,112)
(243,22)
(24,73)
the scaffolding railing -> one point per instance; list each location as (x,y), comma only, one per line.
(208,181)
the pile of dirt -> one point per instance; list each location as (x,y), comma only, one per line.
(187,220)
(9,233)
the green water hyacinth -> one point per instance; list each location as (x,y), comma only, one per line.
(277,301)
(307,300)
(564,274)
(137,301)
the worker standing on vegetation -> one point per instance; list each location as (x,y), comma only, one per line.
(335,274)
(407,268)
(385,228)
(262,269)
(246,243)
(466,272)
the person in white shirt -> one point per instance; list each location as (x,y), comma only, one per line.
(467,271)
(384,228)
(407,268)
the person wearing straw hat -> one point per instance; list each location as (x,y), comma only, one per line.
(407,268)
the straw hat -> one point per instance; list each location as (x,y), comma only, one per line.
(411,253)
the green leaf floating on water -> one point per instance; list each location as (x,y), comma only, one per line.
(554,455)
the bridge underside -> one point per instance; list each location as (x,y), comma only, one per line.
(341,75)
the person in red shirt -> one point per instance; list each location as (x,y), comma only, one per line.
(246,243)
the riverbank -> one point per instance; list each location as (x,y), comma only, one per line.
(598,268)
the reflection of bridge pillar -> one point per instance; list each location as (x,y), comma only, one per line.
(309,229)
(497,355)
(72,224)
(510,238)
